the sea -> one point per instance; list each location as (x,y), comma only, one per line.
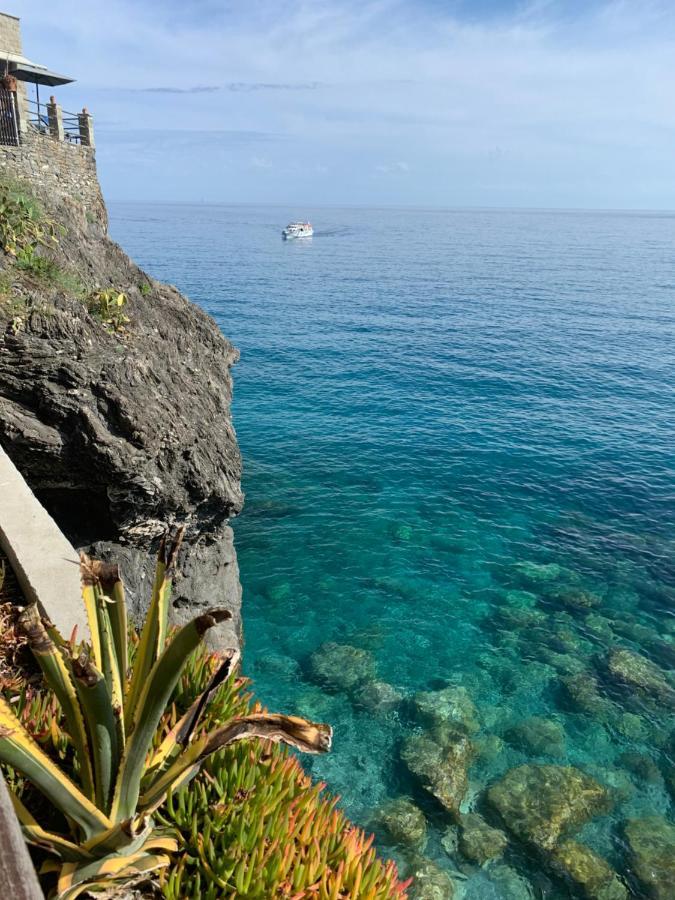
(457,428)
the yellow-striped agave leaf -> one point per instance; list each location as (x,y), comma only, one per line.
(75,879)
(51,660)
(153,634)
(54,843)
(19,750)
(309,737)
(181,734)
(103,724)
(152,703)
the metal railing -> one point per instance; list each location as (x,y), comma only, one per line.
(71,127)
(38,116)
(9,120)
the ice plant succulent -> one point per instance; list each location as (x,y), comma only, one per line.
(112,712)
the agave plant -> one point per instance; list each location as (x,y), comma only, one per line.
(121,773)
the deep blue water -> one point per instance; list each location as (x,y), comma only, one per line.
(425,401)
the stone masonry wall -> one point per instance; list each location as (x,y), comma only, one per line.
(10,34)
(56,168)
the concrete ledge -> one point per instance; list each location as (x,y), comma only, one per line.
(44,562)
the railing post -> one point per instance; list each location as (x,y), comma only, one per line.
(55,117)
(17,875)
(86,128)
(21,101)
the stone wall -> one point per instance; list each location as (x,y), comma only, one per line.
(10,34)
(55,168)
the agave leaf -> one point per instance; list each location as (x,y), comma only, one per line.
(103,724)
(100,578)
(35,834)
(152,703)
(153,635)
(306,736)
(88,580)
(19,750)
(75,879)
(113,589)
(182,732)
(50,659)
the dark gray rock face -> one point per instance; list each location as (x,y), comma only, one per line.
(121,434)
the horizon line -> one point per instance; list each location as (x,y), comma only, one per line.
(401,206)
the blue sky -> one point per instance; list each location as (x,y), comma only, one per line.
(423,102)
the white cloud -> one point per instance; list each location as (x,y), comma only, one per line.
(578,103)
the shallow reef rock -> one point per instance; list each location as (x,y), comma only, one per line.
(403,823)
(430,882)
(480,842)
(450,708)
(539,804)
(538,736)
(377,697)
(119,434)
(651,842)
(341,667)
(441,769)
(587,871)
(638,674)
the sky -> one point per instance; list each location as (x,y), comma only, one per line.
(550,103)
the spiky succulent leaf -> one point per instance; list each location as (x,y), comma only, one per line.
(102,723)
(306,736)
(153,635)
(51,660)
(54,843)
(19,750)
(179,736)
(152,703)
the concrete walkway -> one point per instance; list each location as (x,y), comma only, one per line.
(44,562)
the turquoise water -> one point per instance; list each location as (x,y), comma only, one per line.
(426,402)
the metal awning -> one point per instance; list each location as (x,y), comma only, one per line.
(26,70)
(38,75)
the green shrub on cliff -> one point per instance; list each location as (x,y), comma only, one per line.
(24,226)
(108,307)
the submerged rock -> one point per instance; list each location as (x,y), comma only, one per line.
(520,617)
(480,842)
(404,823)
(450,708)
(642,766)
(520,599)
(588,872)
(651,842)
(582,692)
(498,881)
(538,573)
(539,803)
(538,736)
(575,599)
(430,882)
(489,747)
(341,667)
(378,697)
(639,674)
(440,769)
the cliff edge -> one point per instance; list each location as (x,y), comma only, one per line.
(120,430)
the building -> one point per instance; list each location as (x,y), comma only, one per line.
(23,110)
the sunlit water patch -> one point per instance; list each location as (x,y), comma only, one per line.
(457,544)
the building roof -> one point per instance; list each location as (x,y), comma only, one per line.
(25,70)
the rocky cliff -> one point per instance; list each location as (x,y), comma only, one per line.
(121,432)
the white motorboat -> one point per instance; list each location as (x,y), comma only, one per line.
(297,230)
